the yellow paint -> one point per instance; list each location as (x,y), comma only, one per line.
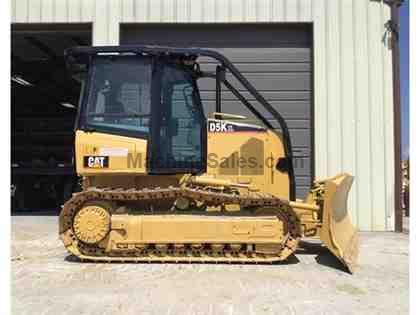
(92,143)
(248,158)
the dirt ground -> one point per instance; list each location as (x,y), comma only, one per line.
(46,280)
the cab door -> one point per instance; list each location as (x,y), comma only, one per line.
(178,137)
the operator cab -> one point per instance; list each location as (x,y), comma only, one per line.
(155,99)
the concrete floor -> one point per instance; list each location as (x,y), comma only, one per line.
(45,280)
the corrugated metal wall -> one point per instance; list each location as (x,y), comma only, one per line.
(352,75)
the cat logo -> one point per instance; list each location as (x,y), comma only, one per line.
(95,161)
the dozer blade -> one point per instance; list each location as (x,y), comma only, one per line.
(338,232)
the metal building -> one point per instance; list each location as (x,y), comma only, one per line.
(326,65)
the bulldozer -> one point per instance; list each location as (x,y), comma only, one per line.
(164,182)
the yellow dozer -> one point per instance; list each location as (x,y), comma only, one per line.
(163,182)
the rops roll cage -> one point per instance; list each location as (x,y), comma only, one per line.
(83,55)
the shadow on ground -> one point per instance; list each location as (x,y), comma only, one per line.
(323,255)
(291,260)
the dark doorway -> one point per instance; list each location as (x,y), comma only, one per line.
(44,102)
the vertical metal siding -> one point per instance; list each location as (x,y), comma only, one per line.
(47,11)
(291,9)
(388,126)
(375,30)
(53,11)
(334,106)
(363,158)
(88,9)
(305,10)
(320,91)
(278,9)
(352,74)
(61,11)
(100,34)
(347,96)
(34,13)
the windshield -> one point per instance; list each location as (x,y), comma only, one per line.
(119,95)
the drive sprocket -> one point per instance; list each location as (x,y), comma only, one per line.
(91,224)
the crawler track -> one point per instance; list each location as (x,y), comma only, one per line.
(182,253)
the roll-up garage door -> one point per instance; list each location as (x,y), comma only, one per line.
(275,58)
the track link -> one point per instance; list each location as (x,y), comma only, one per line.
(187,254)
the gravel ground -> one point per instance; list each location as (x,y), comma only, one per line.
(45,280)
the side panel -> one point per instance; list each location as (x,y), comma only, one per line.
(247,156)
(109,154)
